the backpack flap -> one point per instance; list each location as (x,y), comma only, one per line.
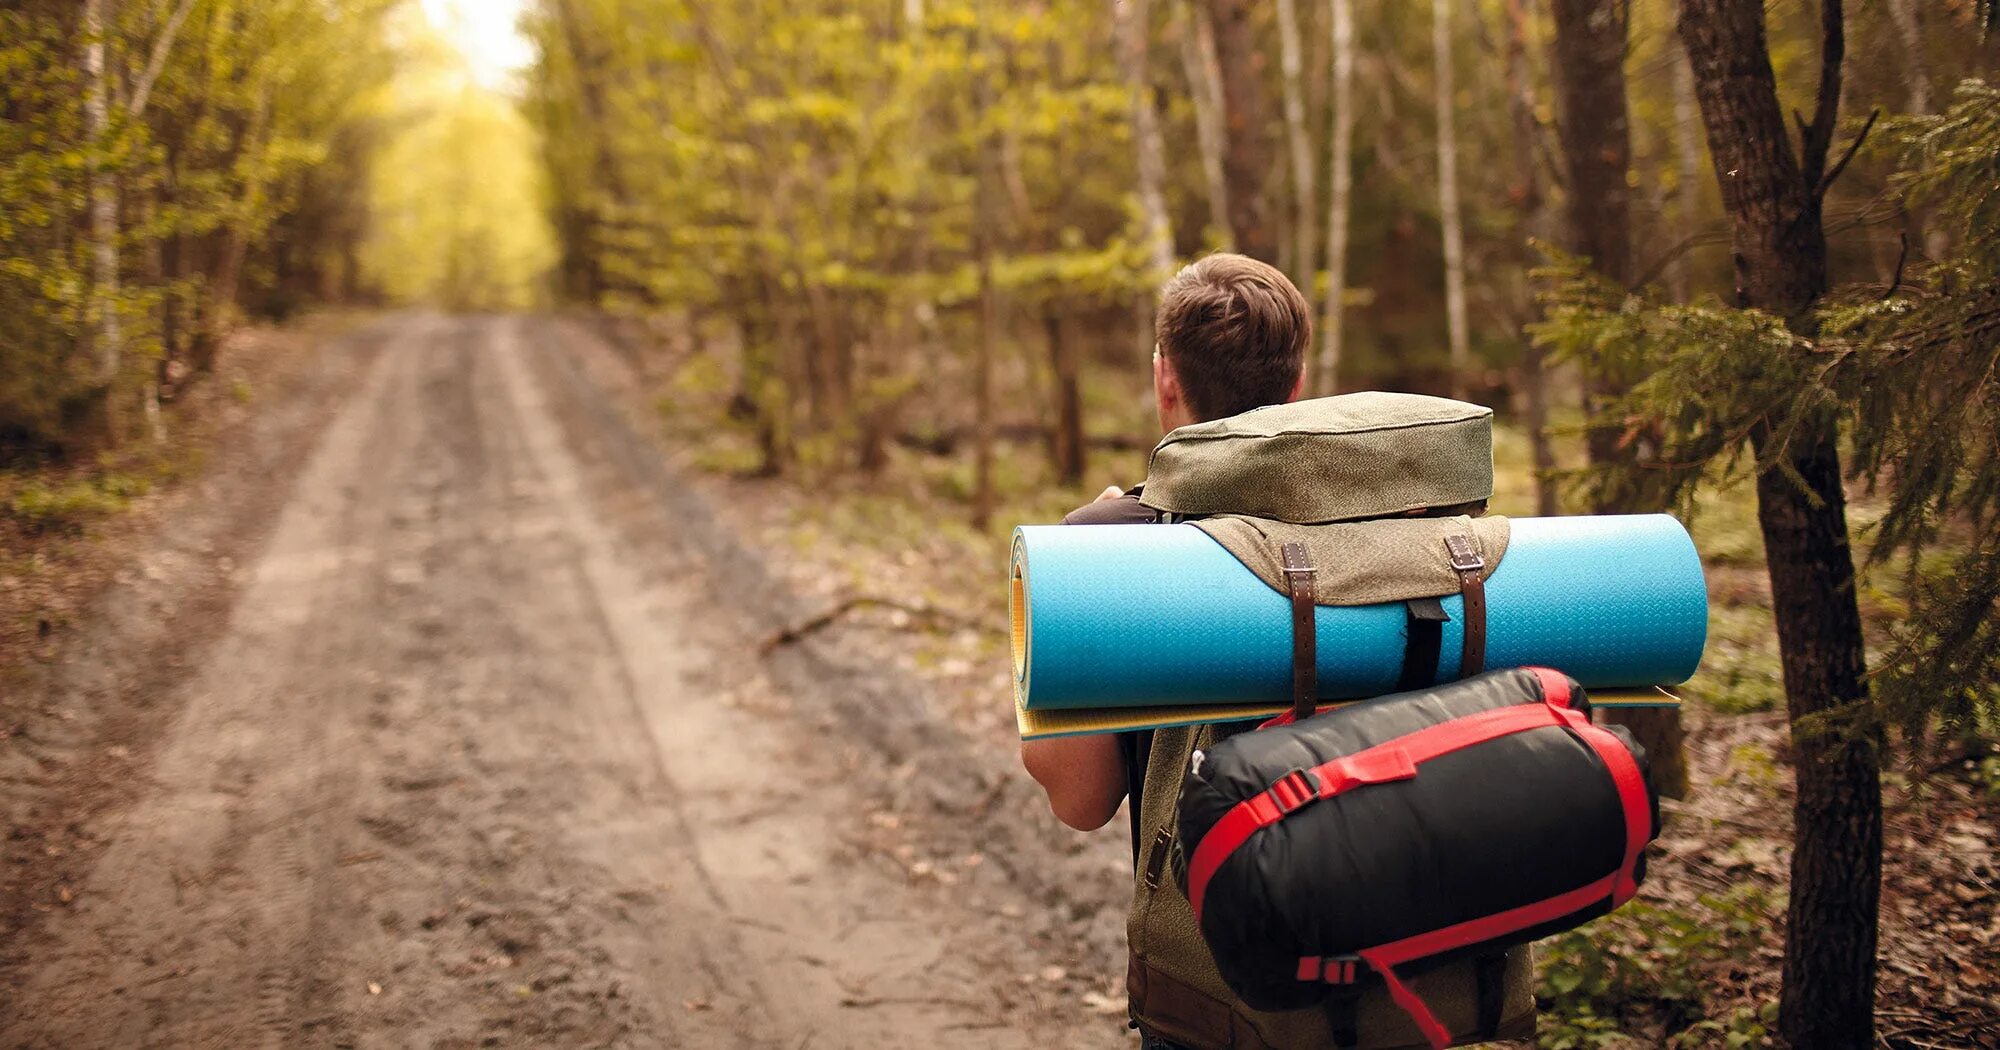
(1346,458)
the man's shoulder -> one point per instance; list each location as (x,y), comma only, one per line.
(1125,510)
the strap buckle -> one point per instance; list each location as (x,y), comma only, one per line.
(1464,556)
(1293,791)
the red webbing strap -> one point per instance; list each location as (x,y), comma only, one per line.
(1487,927)
(1412,1004)
(1625,776)
(1388,761)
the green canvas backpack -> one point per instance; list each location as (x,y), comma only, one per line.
(1383,496)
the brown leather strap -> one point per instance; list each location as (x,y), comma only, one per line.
(1470,564)
(1300,576)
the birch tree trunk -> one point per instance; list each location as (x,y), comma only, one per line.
(1304,265)
(103,311)
(987,352)
(1339,205)
(1131,21)
(1204,77)
(1687,158)
(1917,70)
(1449,214)
(1917,73)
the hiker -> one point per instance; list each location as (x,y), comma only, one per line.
(1232,337)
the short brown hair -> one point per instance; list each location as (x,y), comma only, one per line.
(1236,331)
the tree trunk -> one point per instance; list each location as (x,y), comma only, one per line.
(1774,200)
(1247,161)
(105,323)
(1204,77)
(1917,74)
(1305,266)
(1157,233)
(221,311)
(1595,126)
(1533,203)
(1339,205)
(1916,68)
(1687,158)
(1067,446)
(987,218)
(586,47)
(1449,216)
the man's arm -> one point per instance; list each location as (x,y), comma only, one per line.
(1083,775)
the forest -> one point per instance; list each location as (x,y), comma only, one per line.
(895,262)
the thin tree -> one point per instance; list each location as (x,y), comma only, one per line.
(105,325)
(1916,67)
(1775,198)
(1340,203)
(1687,161)
(1449,209)
(1247,161)
(1204,77)
(1155,231)
(986,220)
(1533,198)
(1304,266)
(1917,77)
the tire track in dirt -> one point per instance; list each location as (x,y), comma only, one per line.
(480,760)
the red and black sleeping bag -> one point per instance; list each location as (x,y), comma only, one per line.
(1410,831)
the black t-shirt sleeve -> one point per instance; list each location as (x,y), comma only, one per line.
(1125,510)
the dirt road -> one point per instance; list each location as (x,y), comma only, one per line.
(477,752)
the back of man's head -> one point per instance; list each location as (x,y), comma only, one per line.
(1236,332)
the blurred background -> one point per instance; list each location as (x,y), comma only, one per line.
(882,278)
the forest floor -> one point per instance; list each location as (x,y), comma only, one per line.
(436,711)
(459,699)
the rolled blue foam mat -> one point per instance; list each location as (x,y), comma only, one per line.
(1132,615)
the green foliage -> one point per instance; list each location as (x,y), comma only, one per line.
(1646,964)
(1920,373)
(456,194)
(68,505)
(226,127)
(1914,375)
(1746,1026)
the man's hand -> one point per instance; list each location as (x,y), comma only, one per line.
(1110,492)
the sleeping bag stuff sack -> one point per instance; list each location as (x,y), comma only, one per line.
(1368,843)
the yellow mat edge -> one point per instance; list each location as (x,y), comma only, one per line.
(1086,721)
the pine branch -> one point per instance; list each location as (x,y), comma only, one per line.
(1826,183)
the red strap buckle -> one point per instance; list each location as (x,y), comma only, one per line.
(1292,791)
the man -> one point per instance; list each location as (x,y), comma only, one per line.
(1233,334)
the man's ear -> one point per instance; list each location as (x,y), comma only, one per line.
(1298,388)
(1166,385)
